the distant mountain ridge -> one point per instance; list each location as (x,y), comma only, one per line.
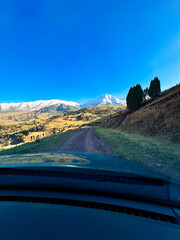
(103,100)
(60,105)
(36,105)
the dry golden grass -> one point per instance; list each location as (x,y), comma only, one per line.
(160,117)
(22,116)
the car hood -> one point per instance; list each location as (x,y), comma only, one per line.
(78,160)
(87,172)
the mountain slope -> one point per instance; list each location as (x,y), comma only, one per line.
(36,105)
(103,100)
(159,117)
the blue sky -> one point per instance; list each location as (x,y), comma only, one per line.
(77,50)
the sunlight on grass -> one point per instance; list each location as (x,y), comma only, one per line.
(43,145)
(152,152)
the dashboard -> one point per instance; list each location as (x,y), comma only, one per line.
(31,214)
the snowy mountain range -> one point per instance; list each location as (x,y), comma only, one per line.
(59,105)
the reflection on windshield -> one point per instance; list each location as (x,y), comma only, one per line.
(44,158)
(79,160)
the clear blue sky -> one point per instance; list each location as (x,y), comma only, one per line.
(80,49)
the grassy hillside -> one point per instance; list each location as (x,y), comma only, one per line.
(149,151)
(158,117)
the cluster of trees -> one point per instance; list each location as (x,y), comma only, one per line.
(37,128)
(17,138)
(1,127)
(155,88)
(37,137)
(4,142)
(137,96)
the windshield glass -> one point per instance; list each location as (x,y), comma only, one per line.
(91,85)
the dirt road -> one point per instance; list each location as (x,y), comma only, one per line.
(84,141)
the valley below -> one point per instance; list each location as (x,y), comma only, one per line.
(14,133)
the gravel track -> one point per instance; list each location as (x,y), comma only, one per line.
(84,141)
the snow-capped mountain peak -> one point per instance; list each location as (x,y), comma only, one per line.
(104,100)
(60,105)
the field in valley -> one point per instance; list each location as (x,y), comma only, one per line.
(13,133)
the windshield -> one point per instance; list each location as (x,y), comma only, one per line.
(91,85)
